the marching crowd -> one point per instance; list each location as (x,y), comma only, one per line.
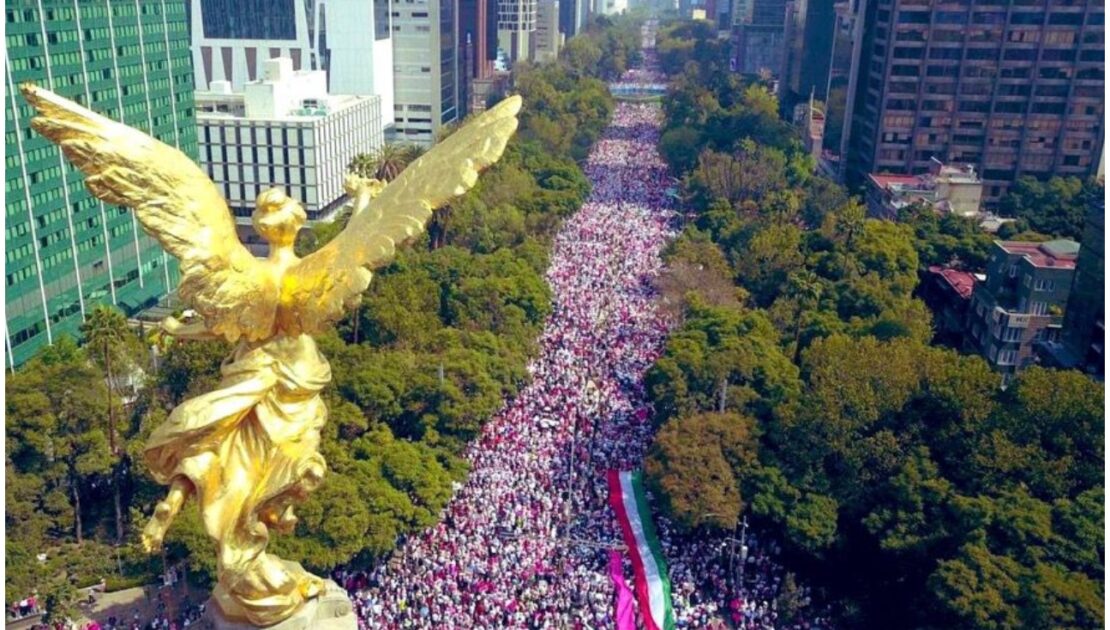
(524,543)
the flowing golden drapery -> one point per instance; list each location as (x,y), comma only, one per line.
(249,448)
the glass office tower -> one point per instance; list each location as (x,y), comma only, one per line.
(66,251)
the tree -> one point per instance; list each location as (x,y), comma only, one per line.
(1057,207)
(680,147)
(979,588)
(804,288)
(106,333)
(387,163)
(55,412)
(695,463)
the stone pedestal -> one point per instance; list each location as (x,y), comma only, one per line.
(332,610)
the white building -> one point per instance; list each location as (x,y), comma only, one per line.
(516,27)
(349,39)
(548,38)
(612,7)
(426,68)
(284,130)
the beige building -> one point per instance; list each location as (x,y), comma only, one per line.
(548,40)
(949,189)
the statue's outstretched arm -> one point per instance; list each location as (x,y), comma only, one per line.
(195,329)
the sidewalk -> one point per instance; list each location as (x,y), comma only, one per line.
(124,604)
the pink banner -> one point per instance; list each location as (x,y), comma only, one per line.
(624,614)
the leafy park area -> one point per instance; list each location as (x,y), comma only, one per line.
(800,388)
(441,339)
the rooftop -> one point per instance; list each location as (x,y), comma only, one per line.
(963,282)
(1060,253)
(938,172)
(281,93)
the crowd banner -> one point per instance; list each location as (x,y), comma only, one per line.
(653,586)
(624,613)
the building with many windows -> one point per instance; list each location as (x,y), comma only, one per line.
(284,130)
(478,34)
(1014,88)
(1021,302)
(351,40)
(758,41)
(516,26)
(807,51)
(548,40)
(65,250)
(426,69)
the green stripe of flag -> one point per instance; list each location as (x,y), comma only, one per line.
(652,539)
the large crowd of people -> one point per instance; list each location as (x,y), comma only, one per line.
(523,543)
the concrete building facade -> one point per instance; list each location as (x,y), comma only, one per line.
(351,40)
(516,27)
(284,130)
(948,189)
(1014,88)
(759,41)
(548,38)
(426,69)
(1021,302)
(65,251)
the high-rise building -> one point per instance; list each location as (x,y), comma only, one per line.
(286,131)
(1012,88)
(478,32)
(516,26)
(548,40)
(758,44)
(572,16)
(1083,336)
(65,250)
(807,51)
(426,65)
(351,40)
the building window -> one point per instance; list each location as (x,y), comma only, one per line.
(1012,334)
(1038,308)
(1007,357)
(1045,285)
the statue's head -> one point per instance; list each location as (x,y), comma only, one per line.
(277,217)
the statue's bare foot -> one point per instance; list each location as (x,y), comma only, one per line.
(155,530)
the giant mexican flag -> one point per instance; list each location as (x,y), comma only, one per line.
(653,586)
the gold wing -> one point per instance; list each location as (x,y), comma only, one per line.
(176,203)
(318,289)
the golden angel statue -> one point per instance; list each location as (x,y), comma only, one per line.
(248,451)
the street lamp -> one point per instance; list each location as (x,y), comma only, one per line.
(743,550)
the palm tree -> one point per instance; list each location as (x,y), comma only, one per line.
(389,162)
(805,288)
(850,221)
(385,163)
(105,331)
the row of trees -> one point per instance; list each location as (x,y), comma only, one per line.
(801,390)
(442,337)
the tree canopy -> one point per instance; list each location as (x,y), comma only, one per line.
(913,488)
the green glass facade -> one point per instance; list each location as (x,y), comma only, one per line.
(65,250)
